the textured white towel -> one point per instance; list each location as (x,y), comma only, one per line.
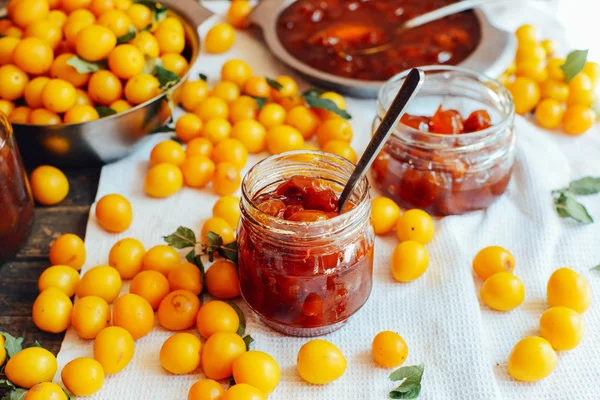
(463,344)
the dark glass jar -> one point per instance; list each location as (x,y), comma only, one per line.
(446,174)
(304,278)
(16,202)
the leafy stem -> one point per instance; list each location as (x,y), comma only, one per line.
(574,63)
(185,238)
(410,386)
(566,204)
(313,99)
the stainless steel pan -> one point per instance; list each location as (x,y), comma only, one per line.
(110,138)
(493,55)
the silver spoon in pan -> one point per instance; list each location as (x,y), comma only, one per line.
(422,19)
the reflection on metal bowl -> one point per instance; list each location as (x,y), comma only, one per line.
(110,138)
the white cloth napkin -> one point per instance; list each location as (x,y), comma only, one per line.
(463,344)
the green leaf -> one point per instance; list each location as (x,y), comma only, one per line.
(191,257)
(104,111)
(159,11)
(36,344)
(195,259)
(165,77)
(574,63)
(15,394)
(182,238)
(215,242)
(411,382)
(568,207)
(176,139)
(12,344)
(410,394)
(6,384)
(230,252)
(162,129)
(274,84)
(242,329)
(596,268)
(84,67)
(248,340)
(584,186)
(260,101)
(412,374)
(326,104)
(203,77)
(128,36)
(313,92)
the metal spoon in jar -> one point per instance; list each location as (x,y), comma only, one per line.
(407,92)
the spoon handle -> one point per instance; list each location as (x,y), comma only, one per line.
(409,89)
(447,10)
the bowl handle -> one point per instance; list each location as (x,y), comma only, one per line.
(197,14)
(496,49)
(266,12)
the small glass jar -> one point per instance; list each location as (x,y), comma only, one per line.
(440,173)
(304,278)
(16,202)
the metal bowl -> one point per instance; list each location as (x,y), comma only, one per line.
(110,138)
(495,52)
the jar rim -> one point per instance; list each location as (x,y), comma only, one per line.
(352,214)
(507,117)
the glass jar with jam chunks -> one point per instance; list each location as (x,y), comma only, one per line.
(16,201)
(453,151)
(305,268)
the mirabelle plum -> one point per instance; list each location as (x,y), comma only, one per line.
(384,215)
(410,260)
(389,349)
(320,362)
(503,291)
(531,359)
(415,225)
(526,94)
(562,327)
(569,289)
(491,260)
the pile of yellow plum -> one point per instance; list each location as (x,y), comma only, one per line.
(243,114)
(560,92)
(414,229)
(561,326)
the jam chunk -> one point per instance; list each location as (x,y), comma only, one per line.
(448,122)
(300,199)
(478,121)
(419,122)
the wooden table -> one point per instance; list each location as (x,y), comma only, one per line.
(18,277)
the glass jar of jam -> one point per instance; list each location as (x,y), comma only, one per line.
(16,202)
(447,174)
(304,268)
